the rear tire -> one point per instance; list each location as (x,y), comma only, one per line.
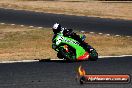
(59,55)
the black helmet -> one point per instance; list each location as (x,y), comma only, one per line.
(56,28)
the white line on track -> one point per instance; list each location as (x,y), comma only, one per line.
(40,27)
(31,26)
(91,32)
(117,35)
(19,61)
(103,57)
(128,36)
(100,33)
(13,24)
(115,56)
(57,59)
(22,25)
(108,34)
(2,23)
(82,31)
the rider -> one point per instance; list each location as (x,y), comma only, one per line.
(69,33)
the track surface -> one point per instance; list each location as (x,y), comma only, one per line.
(119,27)
(59,74)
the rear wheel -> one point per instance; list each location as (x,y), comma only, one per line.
(59,55)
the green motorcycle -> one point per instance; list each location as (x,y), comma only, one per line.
(70,49)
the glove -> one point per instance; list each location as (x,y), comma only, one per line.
(54,46)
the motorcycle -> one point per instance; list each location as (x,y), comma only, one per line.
(71,50)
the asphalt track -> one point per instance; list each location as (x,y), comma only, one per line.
(94,24)
(58,74)
(61,74)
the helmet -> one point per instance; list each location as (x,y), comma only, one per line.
(56,28)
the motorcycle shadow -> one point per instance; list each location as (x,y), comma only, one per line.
(60,61)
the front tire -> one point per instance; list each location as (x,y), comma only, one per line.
(93,55)
(92,52)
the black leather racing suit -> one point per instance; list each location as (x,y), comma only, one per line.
(69,32)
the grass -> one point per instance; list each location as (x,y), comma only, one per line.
(87,8)
(22,43)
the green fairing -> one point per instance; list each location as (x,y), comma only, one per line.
(69,41)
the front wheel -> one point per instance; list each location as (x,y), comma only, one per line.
(93,55)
